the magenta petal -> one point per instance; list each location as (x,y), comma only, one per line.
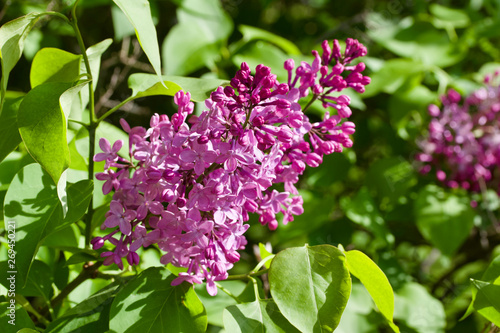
(231,164)
(125,227)
(105,145)
(199,167)
(156,207)
(107,187)
(211,288)
(136,245)
(116,208)
(210,156)
(117,146)
(112,221)
(188,156)
(100,157)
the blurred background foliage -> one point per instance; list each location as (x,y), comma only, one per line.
(428,240)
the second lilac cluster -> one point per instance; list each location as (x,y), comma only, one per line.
(192,181)
(463,145)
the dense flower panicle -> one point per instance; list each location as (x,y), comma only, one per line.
(463,144)
(191,182)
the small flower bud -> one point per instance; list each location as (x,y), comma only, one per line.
(289,64)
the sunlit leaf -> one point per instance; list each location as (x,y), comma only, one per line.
(12,36)
(91,315)
(20,318)
(10,137)
(444,16)
(487,301)
(418,309)
(419,41)
(252,33)
(196,40)
(314,299)
(138,13)
(32,203)
(215,305)
(150,304)
(43,127)
(54,65)
(259,316)
(444,219)
(147,85)
(39,283)
(375,281)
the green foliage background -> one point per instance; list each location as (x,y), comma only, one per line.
(427,240)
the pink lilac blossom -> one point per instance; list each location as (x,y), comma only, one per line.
(189,187)
(463,144)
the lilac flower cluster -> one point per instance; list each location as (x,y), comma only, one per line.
(463,145)
(190,184)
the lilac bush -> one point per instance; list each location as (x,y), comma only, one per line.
(463,144)
(192,180)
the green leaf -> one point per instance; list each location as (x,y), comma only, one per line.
(311,286)
(54,65)
(143,85)
(66,101)
(419,41)
(81,257)
(418,309)
(215,305)
(121,25)
(444,17)
(150,304)
(66,237)
(31,201)
(491,274)
(252,33)
(391,178)
(43,127)
(392,75)
(487,302)
(264,253)
(12,36)
(196,40)
(493,271)
(91,315)
(39,283)
(147,85)
(10,137)
(362,210)
(20,319)
(94,54)
(444,219)
(138,13)
(406,107)
(375,281)
(257,316)
(357,316)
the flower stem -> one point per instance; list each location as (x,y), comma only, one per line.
(228,292)
(247,276)
(87,273)
(315,97)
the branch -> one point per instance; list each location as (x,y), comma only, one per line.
(89,271)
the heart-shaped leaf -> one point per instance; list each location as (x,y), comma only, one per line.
(311,286)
